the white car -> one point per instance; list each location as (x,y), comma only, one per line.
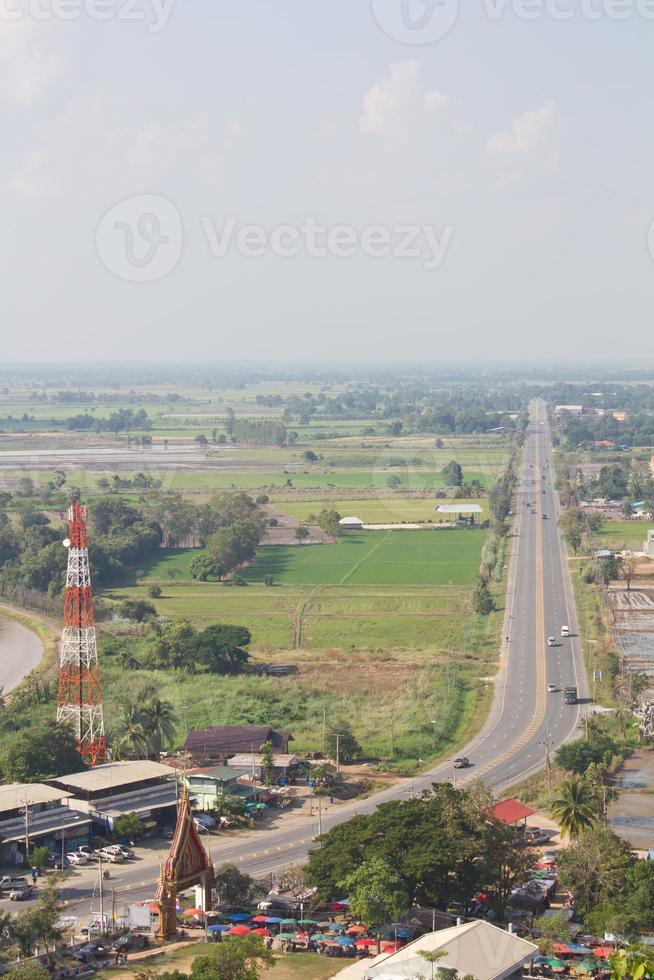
(565,631)
(125,852)
(551,642)
(551,688)
(77,858)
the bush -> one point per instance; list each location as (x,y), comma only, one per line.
(154,591)
(578,755)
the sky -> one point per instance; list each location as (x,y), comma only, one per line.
(327,180)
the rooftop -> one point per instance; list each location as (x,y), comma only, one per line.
(459,509)
(45,822)
(230,739)
(476,949)
(140,801)
(16,795)
(344,521)
(248,759)
(113,775)
(510,811)
(223,774)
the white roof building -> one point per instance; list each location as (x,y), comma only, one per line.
(459,509)
(478,949)
(349,522)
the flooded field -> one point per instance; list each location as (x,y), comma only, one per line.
(632,817)
(20,651)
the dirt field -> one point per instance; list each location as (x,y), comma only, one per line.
(632,817)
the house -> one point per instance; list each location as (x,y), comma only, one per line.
(477,949)
(217,743)
(250,764)
(460,511)
(134,786)
(42,816)
(211,786)
(351,523)
(512,812)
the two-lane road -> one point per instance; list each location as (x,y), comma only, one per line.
(524,717)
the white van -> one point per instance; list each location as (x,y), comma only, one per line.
(565,631)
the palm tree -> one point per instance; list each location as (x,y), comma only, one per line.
(133,739)
(160,723)
(574,808)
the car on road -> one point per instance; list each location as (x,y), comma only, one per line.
(565,631)
(551,642)
(77,858)
(20,892)
(90,950)
(552,689)
(462,762)
(544,517)
(205,820)
(131,942)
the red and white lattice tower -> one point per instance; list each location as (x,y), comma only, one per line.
(80,698)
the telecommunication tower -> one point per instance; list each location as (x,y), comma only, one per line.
(79,696)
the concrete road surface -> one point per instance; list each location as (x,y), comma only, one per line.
(20,652)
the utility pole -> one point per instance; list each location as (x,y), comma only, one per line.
(319,816)
(548,768)
(324,730)
(101,894)
(338,754)
(113,908)
(27,827)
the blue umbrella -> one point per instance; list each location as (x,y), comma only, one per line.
(539,960)
(345,941)
(274,920)
(240,917)
(217,928)
(579,950)
(337,927)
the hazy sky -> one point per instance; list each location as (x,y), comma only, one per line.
(507,147)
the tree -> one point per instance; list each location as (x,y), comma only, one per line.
(201,441)
(154,591)
(483,602)
(393,482)
(635,962)
(376,892)
(39,924)
(132,739)
(310,456)
(433,957)
(628,570)
(234,887)
(205,567)
(346,745)
(267,763)
(329,521)
(574,808)
(40,857)
(240,958)
(27,971)
(452,474)
(42,751)
(224,649)
(137,610)
(160,723)
(595,867)
(302,533)
(578,755)
(128,826)
(505,862)
(293,880)
(551,929)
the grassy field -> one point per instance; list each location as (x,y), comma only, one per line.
(376,558)
(624,534)
(296,966)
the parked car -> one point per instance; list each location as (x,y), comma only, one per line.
(126,852)
(6,881)
(534,835)
(20,892)
(462,762)
(77,858)
(205,820)
(131,942)
(104,854)
(90,950)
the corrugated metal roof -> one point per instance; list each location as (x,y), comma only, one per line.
(510,811)
(459,509)
(16,795)
(114,774)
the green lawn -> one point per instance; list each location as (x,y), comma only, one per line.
(376,558)
(624,534)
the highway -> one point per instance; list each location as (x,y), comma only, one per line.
(525,720)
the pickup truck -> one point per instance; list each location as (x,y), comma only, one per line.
(6,881)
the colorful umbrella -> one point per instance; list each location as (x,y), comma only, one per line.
(308,922)
(261,932)
(217,928)
(387,947)
(586,966)
(366,943)
(240,917)
(357,928)
(321,937)
(261,918)
(287,922)
(193,912)
(556,964)
(286,935)
(540,960)
(345,941)
(239,931)
(274,920)
(603,951)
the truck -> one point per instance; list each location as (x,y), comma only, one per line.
(570,695)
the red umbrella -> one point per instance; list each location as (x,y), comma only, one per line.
(193,912)
(261,932)
(387,947)
(561,948)
(366,943)
(603,951)
(239,931)
(260,918)
(356,928)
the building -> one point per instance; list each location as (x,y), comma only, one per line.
(109,791)
(351,523)
(570,409)
(648,547)
(250,764)
(39,816)
(476,949)
(651,465)
(512,812)
(211,786)
(219,742)
(460,511)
